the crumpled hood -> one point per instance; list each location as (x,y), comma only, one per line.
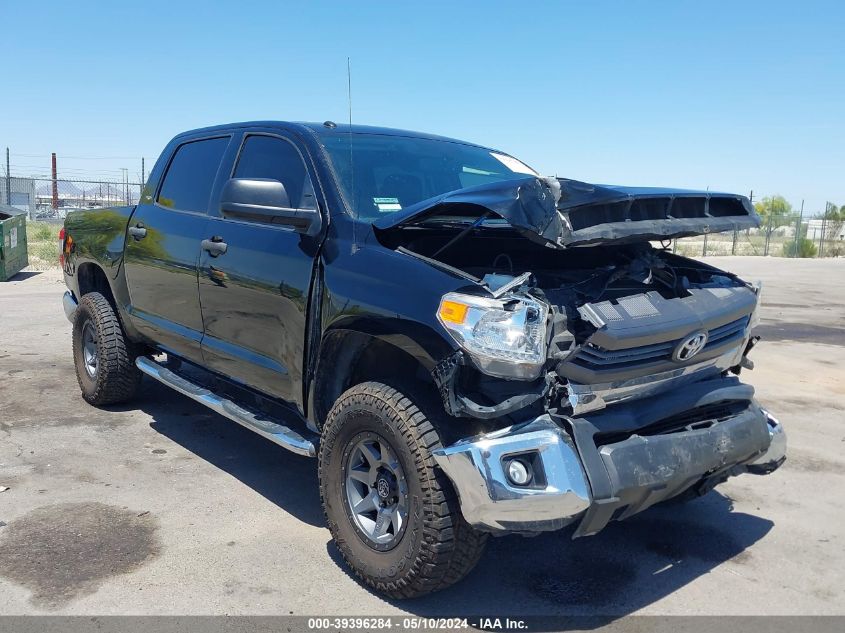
(560,212)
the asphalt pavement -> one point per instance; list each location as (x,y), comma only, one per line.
(163,507)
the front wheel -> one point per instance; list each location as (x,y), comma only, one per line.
(105,364)
(391,511)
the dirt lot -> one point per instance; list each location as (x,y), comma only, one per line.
(162,507)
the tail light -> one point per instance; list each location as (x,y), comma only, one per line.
(64,245)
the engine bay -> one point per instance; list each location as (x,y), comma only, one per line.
(618,313)
(570,278)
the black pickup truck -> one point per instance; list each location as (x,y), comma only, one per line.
(467,347)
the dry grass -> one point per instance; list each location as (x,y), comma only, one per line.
(43,245)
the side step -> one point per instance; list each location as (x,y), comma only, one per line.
(278,433)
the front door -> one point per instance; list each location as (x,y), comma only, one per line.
(163,250)
(255,277)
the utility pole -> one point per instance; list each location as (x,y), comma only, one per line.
(8,180)
(768,233)
(125,186)
(55,184)
(824,222)
(736,232)
(796,249)
(143,174)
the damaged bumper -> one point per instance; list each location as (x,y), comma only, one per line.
(490,501)
(593,470)
(776,454)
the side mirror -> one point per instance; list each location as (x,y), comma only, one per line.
(265,200)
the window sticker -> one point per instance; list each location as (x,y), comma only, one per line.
(387,205)
(514,165)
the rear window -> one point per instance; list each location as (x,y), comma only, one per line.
(190,176)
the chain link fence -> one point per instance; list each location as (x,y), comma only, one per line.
(54,199)
(789,235)
(45,199)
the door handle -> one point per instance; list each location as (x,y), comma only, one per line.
(215,246)
(138,231)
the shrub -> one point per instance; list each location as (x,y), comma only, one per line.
(800,248)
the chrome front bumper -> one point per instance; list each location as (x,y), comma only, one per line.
(70,305)
(776,453)
(488,499)
(598,484)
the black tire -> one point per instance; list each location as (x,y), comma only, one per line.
(437,547)
(114,379)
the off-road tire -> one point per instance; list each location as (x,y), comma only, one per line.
(438,547)
(116,379)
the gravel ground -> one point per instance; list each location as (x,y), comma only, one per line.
(162,507)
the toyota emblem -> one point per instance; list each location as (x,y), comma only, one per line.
(689,347)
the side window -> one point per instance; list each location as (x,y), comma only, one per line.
(277,159)
(190,176)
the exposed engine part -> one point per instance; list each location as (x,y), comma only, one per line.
(624,321)
(508,285)
(561,341)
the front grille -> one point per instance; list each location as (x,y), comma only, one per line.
(599,359)
(690,420)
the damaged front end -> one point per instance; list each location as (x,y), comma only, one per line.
(578,471)
(603,377)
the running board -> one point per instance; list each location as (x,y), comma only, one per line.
(278,433)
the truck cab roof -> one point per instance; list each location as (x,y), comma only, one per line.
(329,128)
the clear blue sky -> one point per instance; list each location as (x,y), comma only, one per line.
(728,95)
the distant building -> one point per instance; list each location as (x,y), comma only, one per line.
(22,196)
(814,230)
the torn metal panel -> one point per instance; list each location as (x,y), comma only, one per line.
(445,375)
(562,212)
(528,205)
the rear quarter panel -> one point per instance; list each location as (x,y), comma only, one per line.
(99,236)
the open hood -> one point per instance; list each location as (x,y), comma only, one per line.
(559,212)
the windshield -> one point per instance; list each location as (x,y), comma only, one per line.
(382,174)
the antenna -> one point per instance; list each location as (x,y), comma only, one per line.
(354,200)
(349,89)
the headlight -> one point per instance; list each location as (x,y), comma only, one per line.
(505,337)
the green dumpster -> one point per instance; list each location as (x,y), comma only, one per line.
(13,255)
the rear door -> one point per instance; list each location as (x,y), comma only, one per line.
(163,248)
(254,295)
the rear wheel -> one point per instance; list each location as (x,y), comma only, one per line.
(392,512)
(105,362)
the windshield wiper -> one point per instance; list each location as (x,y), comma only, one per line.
(460,235)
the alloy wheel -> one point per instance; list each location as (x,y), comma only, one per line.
(376,491)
